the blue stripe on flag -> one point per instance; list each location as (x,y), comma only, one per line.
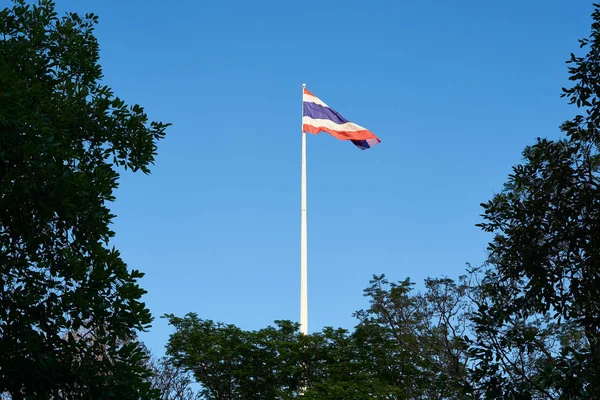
(361,144)
(319,112)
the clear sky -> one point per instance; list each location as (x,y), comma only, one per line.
(455,90)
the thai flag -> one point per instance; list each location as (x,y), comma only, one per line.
(319,117)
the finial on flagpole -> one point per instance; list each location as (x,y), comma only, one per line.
(304,85)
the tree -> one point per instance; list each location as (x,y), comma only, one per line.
(171,382)
(406,345)
(416,338)
(231,363)
(63,137)
(538,318)
(276,362)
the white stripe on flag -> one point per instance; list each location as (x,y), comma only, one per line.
(326,123)
(312,99)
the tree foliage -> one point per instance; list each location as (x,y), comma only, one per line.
(405,345)
(171,382)
(63,136)
(538,316)
(420,335)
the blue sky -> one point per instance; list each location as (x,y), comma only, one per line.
(455,90)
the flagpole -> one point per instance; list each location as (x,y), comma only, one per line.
(303,237)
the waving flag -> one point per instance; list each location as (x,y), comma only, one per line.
(319,117)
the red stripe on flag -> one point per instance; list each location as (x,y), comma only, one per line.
(342,135)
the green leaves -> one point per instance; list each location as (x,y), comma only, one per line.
(69,306)
(231,363)
(405,346)
(537,321)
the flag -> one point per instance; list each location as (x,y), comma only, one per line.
(319,117)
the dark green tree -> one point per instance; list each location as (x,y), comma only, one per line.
(69,306)
(171,382)
(416,338)
(276,362)
(231,363)
(538,318)
(406,345)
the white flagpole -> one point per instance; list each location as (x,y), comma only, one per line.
(303,247)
